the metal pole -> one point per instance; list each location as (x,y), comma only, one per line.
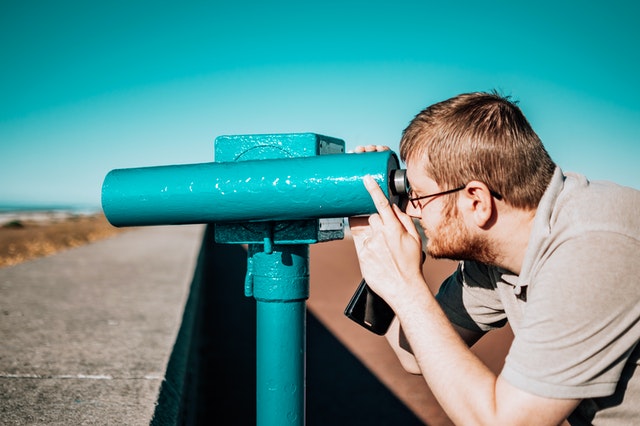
(280,283)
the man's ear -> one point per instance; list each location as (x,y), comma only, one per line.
(478,202)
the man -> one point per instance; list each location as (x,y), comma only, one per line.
(552,253)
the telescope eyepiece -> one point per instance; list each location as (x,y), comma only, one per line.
(398,182)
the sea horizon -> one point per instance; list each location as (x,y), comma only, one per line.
(35,205)
(38,212)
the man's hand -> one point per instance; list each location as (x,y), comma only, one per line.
(388,244)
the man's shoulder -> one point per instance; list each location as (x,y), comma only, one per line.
(588,206)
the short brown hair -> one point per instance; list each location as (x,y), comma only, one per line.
(480,136)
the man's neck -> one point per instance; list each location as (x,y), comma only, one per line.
(511,238)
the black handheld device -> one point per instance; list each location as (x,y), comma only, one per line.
(369,310)
(366,307)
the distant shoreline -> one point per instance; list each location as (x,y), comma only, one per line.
(26,207)
(44,213)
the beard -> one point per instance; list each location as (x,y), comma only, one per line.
(453,240)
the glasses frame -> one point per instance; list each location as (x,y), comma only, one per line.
(416,205)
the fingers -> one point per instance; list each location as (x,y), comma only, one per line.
(380,201)
(407,222)
(390,217)
(371,148)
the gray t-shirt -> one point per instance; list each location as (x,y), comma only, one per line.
(574,308)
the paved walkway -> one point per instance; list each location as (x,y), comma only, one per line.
(86,333)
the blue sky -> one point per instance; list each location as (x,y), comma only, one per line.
(86,87)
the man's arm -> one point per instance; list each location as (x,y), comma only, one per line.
(398,341)
(469,392)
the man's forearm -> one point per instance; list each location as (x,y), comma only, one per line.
(454,374)
(469,392)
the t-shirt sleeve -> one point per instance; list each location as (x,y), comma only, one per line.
(470,300)
(582,320)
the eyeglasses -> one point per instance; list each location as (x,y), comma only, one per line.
(415,200)
(416,205)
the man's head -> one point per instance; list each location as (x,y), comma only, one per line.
(479,145)
(483,137)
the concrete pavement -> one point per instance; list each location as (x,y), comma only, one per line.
(86,334)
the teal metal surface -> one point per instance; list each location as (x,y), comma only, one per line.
(281,275)
(280,285)
(280,367)
(282,232)
(267,146)
(324,186)
(270,146)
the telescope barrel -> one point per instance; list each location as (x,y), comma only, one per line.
(324,186)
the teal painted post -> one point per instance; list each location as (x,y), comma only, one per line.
(281,287)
